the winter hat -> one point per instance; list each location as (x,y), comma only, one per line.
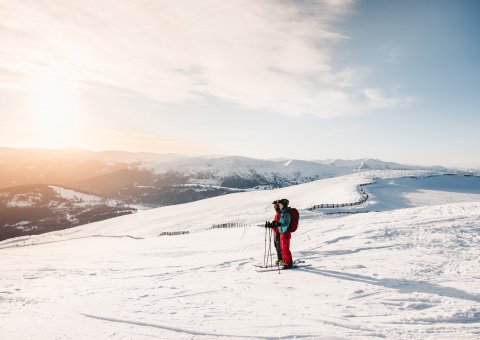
(284,201)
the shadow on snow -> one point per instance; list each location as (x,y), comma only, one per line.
(402,285)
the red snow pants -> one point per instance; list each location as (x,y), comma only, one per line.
(285,246)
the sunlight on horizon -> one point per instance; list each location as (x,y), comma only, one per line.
(54,113)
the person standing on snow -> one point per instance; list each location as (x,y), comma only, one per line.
(276,240)
(285,234)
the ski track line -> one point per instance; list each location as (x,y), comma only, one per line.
(172,274)
(354,328)
(366,295)
(191,332)
(187,295)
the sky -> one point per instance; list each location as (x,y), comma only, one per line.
(393,80)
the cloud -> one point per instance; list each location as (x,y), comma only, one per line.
(261,55)
(376,99)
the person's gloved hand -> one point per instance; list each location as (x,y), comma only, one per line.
(275,224)
(270,224)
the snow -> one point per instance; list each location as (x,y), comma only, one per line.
(398,274)
(413,191)
(20,203)
(82,198)
(220,167)
(23,201)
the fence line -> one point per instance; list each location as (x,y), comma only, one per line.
(165,233)
(214,226)
(174,233)
(344,205)
(17,245)
(366,197)
(228,225)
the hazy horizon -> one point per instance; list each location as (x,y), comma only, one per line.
(205,155)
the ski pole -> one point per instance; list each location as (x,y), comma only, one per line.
(268,252)
(270,247)
(265,248)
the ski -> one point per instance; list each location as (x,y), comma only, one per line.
(260,266)
(272,269)
(274,266)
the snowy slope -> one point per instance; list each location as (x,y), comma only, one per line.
(400,274)
(246,207)
(388,194)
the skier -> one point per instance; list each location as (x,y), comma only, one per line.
(276,240)
(285,234)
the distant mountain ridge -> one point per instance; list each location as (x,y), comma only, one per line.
(139,179)
(67,166)
(224,170)
(163,179)
(376,164)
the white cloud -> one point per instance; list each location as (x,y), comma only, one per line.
(262,55)
(376,99)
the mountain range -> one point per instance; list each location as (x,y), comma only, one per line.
(140,181)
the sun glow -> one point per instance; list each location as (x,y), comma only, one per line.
(54,113)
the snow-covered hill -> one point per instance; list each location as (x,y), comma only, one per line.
(397,274)
(245,172)
(36,209)
(225,166)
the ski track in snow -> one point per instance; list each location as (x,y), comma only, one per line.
(400,274)
(187,331)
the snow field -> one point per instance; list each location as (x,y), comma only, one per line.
(401,274)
